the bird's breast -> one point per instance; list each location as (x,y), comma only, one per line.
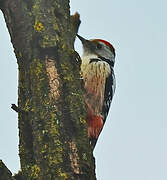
(93,69)
(94,75)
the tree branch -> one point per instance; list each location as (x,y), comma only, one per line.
(5,174)
(15,108)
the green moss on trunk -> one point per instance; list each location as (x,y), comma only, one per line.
(52,125)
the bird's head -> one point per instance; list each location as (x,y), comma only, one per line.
(97,47)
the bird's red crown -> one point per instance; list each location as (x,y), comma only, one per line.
(107,44)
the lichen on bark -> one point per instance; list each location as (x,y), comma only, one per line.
(53,141)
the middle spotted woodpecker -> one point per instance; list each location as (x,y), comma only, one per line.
(97,71)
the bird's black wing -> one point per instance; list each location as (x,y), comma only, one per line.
(108,94)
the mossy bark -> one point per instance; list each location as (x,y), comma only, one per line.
(52,126)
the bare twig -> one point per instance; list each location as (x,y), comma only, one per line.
(15,108)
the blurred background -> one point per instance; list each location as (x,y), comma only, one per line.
(133,144)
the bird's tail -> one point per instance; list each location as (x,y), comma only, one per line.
(95,124)
(93,142)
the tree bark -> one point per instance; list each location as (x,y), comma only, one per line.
(53,141)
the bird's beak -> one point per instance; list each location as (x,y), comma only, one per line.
(83,40)
(86,43)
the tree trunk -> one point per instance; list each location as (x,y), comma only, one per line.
(53,143)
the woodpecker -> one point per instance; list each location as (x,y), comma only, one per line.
(97,71)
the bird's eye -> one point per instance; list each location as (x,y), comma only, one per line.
(99,46)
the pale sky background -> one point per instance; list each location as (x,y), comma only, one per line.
(133,144)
